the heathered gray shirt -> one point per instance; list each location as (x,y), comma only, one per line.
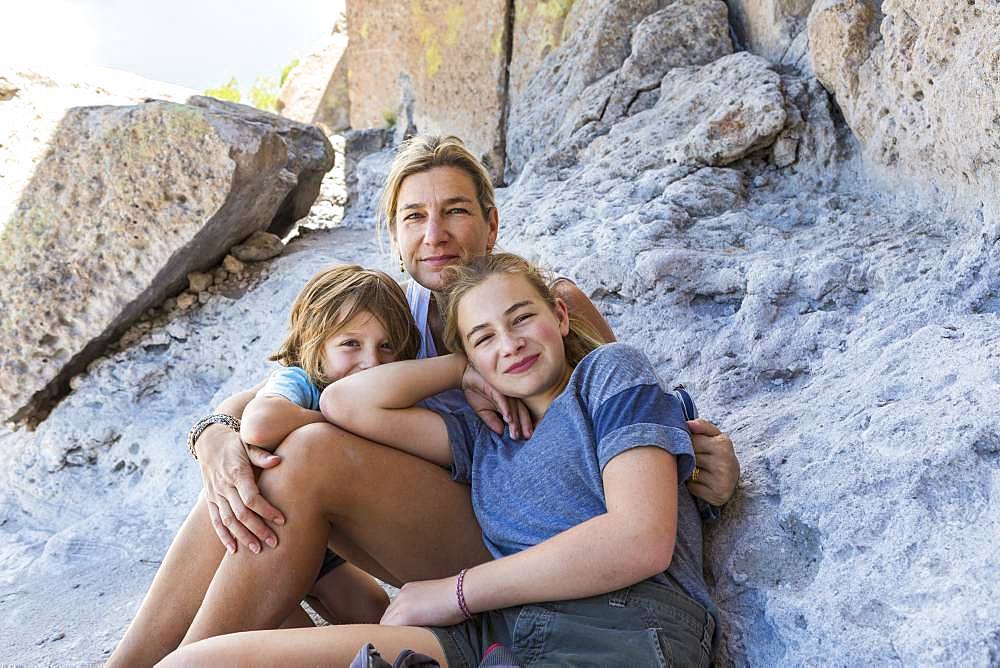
(524,492)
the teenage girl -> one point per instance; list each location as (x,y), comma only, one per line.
(595,538)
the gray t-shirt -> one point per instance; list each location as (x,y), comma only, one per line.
(524,492)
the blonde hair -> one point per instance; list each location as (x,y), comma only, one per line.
(329,300)
(582,337)
(421,153)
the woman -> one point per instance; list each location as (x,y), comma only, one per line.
(389,513)
(600,473)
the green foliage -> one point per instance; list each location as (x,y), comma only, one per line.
(390,118)
(228,91)
(288,70)
(264,94)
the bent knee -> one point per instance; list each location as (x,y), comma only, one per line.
(319,454)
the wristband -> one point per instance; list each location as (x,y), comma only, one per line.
(460,595)
(202,424)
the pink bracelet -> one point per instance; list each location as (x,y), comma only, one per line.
(460,595)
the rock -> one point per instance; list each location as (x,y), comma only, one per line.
(453,56)
(232,265)
(258,247)
(774,29)
(711,115)
(919,84)
(198,281)
(610,67)
(538,28)
(7,89)
(126,203)
(186,300)
(219,275)
(316,90)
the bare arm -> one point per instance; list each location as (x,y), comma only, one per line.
(581,306)
(267,420)
(378,404)
(641,492)
(235,506)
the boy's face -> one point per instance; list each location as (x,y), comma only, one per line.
(360,344)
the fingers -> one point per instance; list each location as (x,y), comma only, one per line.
(705,492)
(250,494)
(503,404)
(236,516)
(523,418)
(492,420)
(261,458)
(220,529)
(703,427)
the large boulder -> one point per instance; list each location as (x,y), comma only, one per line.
(918,82)
(451,58)
(125,203)
(608,67)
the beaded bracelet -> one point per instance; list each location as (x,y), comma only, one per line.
(202,424)
(460,595)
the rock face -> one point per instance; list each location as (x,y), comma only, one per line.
(774,29)
(450,57)
(317,88)
(717,210)
(919,84)
(126,203)
(610,67)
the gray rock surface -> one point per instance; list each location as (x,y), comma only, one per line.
(607,68)
(126,202)
(842,328)
(918,82)
(774,29)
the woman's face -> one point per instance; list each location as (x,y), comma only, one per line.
(515,340)
(439,221)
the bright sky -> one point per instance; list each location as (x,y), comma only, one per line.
(193,43)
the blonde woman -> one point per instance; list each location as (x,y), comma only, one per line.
(388,512)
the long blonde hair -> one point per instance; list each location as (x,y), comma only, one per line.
(460,279)
(421,153)
(329,300)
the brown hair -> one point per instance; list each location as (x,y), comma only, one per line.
(420,153)
(329,300)
(582,337)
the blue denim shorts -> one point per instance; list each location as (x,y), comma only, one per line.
(647,624)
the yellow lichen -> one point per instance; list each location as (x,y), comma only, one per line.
(553,10)
(453,19)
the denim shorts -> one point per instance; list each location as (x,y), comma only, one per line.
(647,624)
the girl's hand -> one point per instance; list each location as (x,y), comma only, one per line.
(425,603)
(492,406)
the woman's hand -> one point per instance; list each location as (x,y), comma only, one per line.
(425,603)
(495,408)
(235,506)
(719,470)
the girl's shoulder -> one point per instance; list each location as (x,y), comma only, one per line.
(610,369)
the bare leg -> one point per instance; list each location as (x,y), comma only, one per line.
(328,645)
(298,619)
(395,515)
(349,596)
(176,592)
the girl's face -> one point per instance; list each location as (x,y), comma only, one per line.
(515,340)
(438,221)
(360,344)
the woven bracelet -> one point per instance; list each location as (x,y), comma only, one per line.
(460,595)
(204,423)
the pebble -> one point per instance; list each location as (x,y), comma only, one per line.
(232,265)
(199,281)
(186,300)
